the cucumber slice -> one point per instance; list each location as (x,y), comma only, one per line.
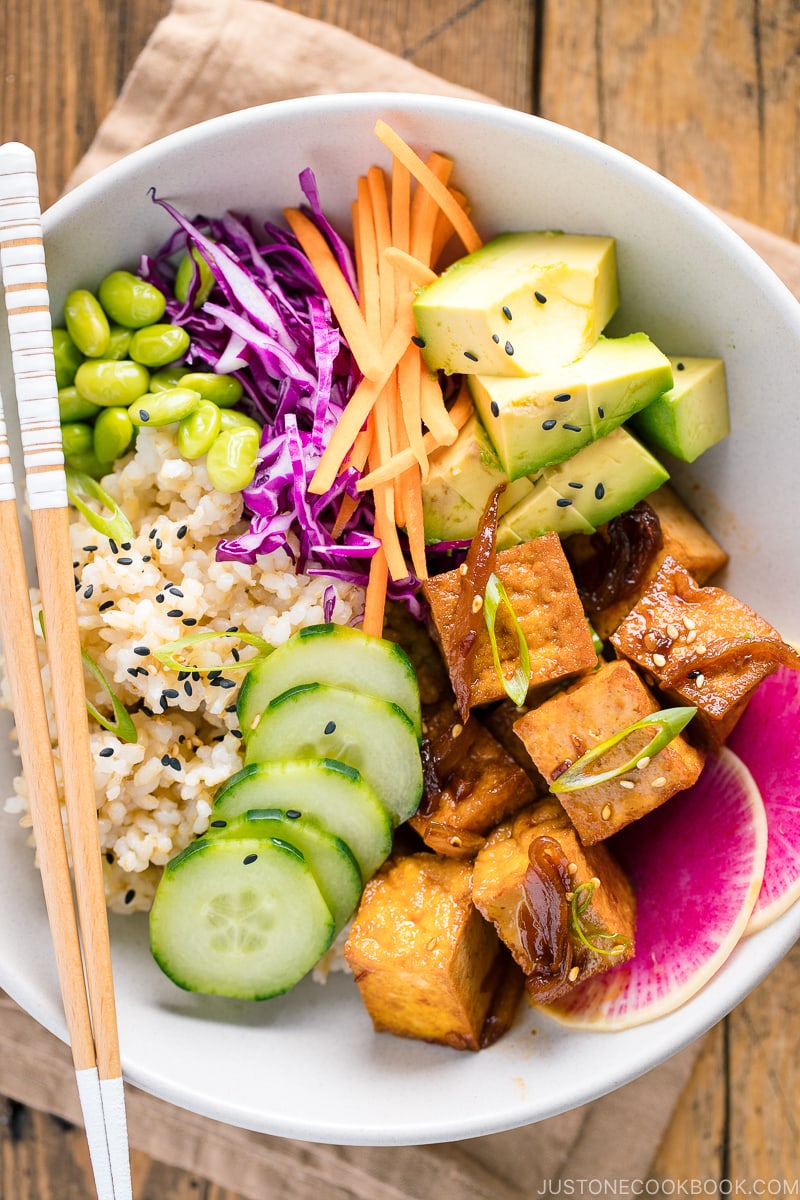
(330,859)
(374,736)
(337,655)
(330,791)
(239,918)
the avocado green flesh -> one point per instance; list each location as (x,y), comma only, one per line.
(523,303)
(547,418)
(693,415)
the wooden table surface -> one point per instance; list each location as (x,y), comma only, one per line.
(705,91)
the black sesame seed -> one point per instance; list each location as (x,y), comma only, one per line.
(107,752)
(549,424)
(181,737)
(89,591)
(187,687)
(218,824)
(165,760)
(681,366)
(182,532)
(235,655)
(171,693)
(106,605)
(540,297)
(237,733)
(572,428)
(418,341)
(231,708)
(159,543)
(196,676)
(114,546)
(144,415)
(214,674)
(133,671)
(562,396)
(472,357)
(496,338)
(89,549)
(109,857)
(330,727)
(175,612)
(76,564)
(507,312)
(693,674)
(175,763)
(148,712)
(125,546)
(227,683)
(509,349)
(143,651)
(188,621)
(293,813)
(125,561)
(575,485)
(176,591)
(77,583)
(146,558)
(599,492)
(249,858)
(232,629)
(495,407)
(563,502)
(129,895)
(183,675)
(152,534)
(601,412)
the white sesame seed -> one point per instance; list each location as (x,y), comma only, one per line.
(659,660)
(673,631)
(572,868)
(691,635)
(574,973)
(455,842)
(456,731)
(569,895)
(462,570)
(606,812)
(477,604)
(627,783)
(689,623)
(659,783)
(595,881)
(643,762)
(700,648)
(700,681)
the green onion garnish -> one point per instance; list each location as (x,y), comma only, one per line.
(121,725)
(668,723)
(516,688)
(169,652)
(581,899)
(117,526)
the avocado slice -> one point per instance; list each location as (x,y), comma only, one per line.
(544,419)
(693,415)
(604,479)
(523,303)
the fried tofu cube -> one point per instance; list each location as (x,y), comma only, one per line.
(425,961)
(542,592)
(526,878)
(701,646)
(587,713)
(684,538)
(471,783)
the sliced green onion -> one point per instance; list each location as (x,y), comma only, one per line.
(581,899)
(668,723)
(117,526)
(169,652)
(516,688)
(122,725)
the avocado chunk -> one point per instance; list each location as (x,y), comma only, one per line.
(523,303)
(461,477)
(693,415)
(544,419)
(604,479)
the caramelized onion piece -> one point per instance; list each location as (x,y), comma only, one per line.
(733,652)
(507,984)
(622,555)
(543,918)
(478,566)
(441,755)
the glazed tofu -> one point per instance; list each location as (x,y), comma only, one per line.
(531,907)
(701,646)
(425,961)
(544,598)
(684,538)
(471,783)
(589,712)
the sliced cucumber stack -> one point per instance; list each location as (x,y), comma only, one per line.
(242,918)
(376,737)
(336,655)
(330,859)
(330,791)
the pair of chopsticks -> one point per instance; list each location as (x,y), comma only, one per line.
(79,923)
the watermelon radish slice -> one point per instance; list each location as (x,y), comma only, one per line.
(767,739)
(696,863)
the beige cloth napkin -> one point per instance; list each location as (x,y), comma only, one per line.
(209,57)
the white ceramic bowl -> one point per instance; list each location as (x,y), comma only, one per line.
(308,1065)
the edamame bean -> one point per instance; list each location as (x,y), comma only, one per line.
(73,407)
(118,343)
(86,323)
(223,390)
(157,345)
(87,464)
(162,408)
(76,438)
(68,357)
(231,461)
(185,275)
(113,434)
(233,418)
(167,377)
(198,431)
(131,301)
(110,382)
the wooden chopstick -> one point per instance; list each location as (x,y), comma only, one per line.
(30,334)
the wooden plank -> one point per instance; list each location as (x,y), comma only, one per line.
(705,91)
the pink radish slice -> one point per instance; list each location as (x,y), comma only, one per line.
(767,739)
(696,863)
